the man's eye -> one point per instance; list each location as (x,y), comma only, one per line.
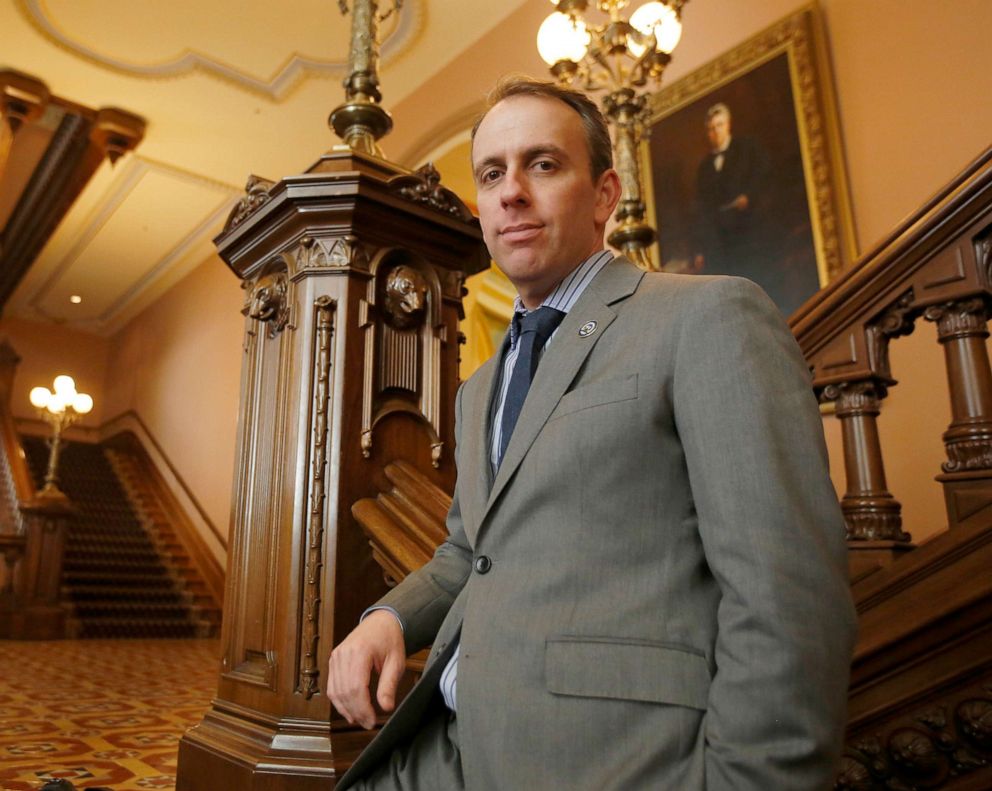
(544,165)
(490,175)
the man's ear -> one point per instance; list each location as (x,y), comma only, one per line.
(607,195)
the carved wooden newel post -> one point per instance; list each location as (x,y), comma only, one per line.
(353,276)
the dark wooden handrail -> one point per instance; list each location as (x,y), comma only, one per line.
(936,266)
(946,214)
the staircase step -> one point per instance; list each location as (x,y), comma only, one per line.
(87,610)
(125,579)
(145,627)
(87,593)
(125,573)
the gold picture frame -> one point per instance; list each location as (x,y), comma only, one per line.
(780,82)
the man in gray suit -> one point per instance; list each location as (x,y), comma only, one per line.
(644,583)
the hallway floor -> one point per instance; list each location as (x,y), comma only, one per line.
(100,712)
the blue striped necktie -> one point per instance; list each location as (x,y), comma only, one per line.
(534,329)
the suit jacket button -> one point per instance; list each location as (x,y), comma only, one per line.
(483,564)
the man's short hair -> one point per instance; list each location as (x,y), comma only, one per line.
(593,123)
(718,109)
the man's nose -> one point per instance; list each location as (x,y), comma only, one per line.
(513,189)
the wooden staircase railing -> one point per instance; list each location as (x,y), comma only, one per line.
(32,534)
(937,266)
(920,700)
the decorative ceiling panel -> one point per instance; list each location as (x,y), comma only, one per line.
(126,243)
(265,48)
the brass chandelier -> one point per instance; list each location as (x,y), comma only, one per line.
(622,57)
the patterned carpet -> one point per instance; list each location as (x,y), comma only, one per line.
(106,713)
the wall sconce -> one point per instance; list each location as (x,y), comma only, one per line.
(60,409)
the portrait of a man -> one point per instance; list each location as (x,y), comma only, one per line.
(731,195)
(729,187)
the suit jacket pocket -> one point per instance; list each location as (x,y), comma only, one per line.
(627,670)
(609,391)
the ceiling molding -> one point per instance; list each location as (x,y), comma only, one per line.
(189,241)
(130,303)
(295,69)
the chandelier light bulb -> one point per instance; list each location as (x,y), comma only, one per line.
(65,386)
(57,404)
(82,403)
(40,396)
(661,19)
(562,38)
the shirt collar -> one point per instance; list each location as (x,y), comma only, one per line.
(564,296)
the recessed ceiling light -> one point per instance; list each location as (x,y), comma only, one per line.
(75,299)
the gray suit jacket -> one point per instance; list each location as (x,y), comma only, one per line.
(667,605)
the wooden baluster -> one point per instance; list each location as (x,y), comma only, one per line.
(962,330)
(870,511)
(872,515)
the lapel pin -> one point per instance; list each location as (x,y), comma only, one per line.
(587,329)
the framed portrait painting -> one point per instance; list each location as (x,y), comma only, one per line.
(746,169)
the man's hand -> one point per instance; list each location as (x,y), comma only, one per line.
(377,642)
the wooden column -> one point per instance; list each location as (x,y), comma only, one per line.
(33,547)
(39,614)
(962,331)
(872,515)
(353,278)
(22,99)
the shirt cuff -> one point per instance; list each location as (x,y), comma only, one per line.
(388,609)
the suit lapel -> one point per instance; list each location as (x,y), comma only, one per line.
(558,368)
(475,469)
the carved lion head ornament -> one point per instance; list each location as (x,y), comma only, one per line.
(406,297)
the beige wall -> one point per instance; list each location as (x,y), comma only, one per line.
(178,364)
(47,350)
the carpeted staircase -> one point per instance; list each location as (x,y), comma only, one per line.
(124,574)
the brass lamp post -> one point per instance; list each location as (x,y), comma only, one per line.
(60,409)
(361,120)
(620,57)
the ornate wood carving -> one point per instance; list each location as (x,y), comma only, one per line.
(927,749)
(300,572)
(256,196)
(983,251)
(314,533)
(267,300)
(330,253)
(962,330)
(920,698)
(424,186)
(894,322)
(870,511)
(403,339)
